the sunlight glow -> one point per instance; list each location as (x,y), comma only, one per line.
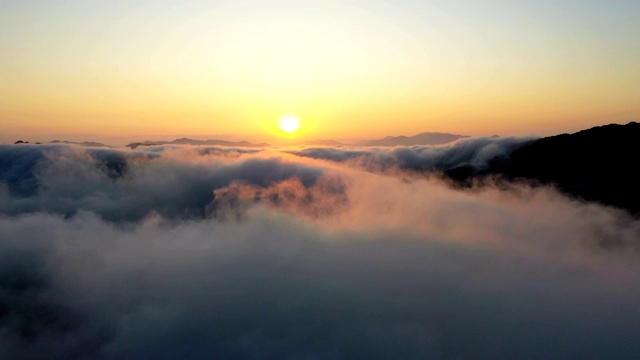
(289,123)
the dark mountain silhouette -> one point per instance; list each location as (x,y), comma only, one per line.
(186,141)
(84,143)
(427,138)
(599,164)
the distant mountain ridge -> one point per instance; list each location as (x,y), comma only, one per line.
(317,143)
(426,138)
(187,141)
(84,143)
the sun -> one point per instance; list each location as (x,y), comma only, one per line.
(289,124)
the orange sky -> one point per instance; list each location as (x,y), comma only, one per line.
(116,72)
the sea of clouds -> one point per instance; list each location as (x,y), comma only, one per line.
(304,253)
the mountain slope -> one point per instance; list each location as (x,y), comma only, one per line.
(599,164)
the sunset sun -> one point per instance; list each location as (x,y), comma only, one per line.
(289,124)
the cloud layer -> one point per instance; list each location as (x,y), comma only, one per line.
(472,151)
(182,252)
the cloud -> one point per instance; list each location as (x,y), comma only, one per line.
(472,151)
(178,253)
(67,179)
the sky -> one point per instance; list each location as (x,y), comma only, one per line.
(120,70)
